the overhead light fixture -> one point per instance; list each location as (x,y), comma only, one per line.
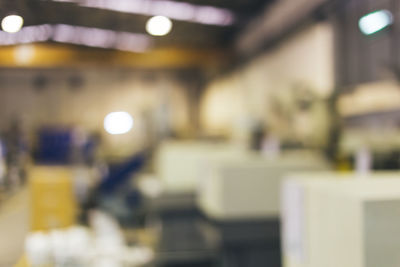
(119,122)
(176,10)
(375,21)
(12,23)
(159,26)
(93,37)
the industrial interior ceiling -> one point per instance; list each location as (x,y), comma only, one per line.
(204,29)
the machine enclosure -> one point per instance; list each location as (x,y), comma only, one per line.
(342,221)
(181,165)
(248,187)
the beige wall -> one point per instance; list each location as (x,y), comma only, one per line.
(268,88)
(159,97)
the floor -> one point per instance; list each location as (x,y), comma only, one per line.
(14,226)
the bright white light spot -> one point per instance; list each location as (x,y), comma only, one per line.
(118,122)
(12,23)
(375,21)
(24,54)
(159,25)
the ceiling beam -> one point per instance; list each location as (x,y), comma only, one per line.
(55,55)
(277,19)
(183,33)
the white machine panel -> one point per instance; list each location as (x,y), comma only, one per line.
(248,187)
(181,164)
(335,220)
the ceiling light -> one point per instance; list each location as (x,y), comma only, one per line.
(159,25)
(176,10)
(12,23)
(118,122)
(375,21)
(87,36)
(95,37)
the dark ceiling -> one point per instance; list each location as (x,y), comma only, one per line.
(184,34)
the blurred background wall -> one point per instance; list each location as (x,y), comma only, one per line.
(283,88)
(158,102)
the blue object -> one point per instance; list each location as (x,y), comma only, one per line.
(54,146)
(119,174)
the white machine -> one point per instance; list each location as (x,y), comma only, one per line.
(181,164)
(336,220)
(248,186)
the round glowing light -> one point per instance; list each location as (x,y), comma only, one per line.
(159,25)
(375,21)
(12,23)
(118,122)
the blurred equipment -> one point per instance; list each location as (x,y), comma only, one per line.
(240,197)
(332,219)
(53,203)
(181,165)
(15,151)
(222,202)
(64,146)
(115,194)
(100,245)
(119,174)
(54,146)
(184,238)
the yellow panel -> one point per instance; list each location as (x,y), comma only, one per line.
(53,202)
